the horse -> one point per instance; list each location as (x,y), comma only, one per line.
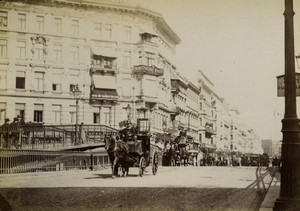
(117,153)
(172,155)
(184,155)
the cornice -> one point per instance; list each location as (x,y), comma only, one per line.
(193,87)
(165,28)
(122,6)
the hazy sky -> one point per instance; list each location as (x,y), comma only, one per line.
(239,45)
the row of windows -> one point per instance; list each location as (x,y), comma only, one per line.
(20,110)
(38,112)
(39,50)
(40,53)
(38,82)
(101,30)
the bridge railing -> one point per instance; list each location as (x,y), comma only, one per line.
(21,161)
(36,136)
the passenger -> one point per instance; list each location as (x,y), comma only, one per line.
(14,133)
(5,133)
(128,132)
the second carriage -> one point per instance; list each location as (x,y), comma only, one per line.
(141,152)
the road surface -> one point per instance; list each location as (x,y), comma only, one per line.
(173,188)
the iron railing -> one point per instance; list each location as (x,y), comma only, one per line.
(36,137)
(21,161)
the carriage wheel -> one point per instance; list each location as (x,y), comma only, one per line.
(154,163)
(142,166)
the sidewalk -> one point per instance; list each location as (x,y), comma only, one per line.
(272,194)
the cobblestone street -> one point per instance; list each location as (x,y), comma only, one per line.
(178,188)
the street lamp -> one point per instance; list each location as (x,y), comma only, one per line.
(143,109)
(77,94)
(289,197)
(127,109)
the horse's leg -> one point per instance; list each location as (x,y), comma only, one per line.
(114,166)
(125,167)
(126,170)
(111,159)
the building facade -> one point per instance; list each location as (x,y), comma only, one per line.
(207,117)
(223,123)
(119,56)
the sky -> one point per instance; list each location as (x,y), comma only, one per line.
(239,45)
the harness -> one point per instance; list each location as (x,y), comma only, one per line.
(112,150)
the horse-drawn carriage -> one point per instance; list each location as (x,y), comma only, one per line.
(134,149)
(182,150)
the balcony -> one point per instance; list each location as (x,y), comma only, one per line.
(103,94)
(209,129)
(147,70)
(99,69)
(103,61)
(178,86)
(175,86)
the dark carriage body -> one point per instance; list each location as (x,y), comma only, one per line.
(141,154)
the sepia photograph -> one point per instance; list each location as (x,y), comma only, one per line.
(176,105)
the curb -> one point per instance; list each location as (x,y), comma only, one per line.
(272,193)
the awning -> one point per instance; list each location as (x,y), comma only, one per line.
(207,146)
(147,30)
(209,130)
(210,146)
(105,93)
(104,81)
(104,52)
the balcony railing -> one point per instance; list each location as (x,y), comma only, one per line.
(95,68)
(108,94)
(148,70)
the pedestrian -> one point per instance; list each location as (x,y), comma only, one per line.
(14,133)
(240,161)
(82,134)
(5,133)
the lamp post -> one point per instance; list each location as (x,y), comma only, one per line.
(127,109)
(143,109)
(289,198)
(77,94)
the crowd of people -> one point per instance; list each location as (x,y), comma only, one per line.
(10,133)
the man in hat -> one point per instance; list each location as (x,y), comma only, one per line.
(128,132)
(14,132)
(5,133)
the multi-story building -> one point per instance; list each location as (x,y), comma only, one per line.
(271,147)
(193,108)
(267,146)
(223,122)
(235,132)
(207,117)
(119,55)
(276,148)
(179,92)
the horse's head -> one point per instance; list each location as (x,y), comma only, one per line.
(109,143)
